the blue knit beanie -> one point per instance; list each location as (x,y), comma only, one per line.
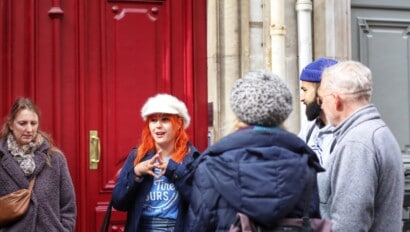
(313,71)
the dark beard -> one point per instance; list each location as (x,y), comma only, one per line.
(312,111)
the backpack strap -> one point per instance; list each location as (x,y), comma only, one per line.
(308,199)
(333,145)
(310,132)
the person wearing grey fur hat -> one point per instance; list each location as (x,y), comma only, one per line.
(260,169)
(261,98)
(153,186)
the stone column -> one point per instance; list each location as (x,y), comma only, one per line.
(224,55)
(332,36)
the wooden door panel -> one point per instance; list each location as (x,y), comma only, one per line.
(90,65)
(135,67)
(135,63)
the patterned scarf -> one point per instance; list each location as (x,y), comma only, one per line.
(24,155)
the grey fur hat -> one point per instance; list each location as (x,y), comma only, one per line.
(261,98)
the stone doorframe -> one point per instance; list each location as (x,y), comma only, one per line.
(332,29)
(230,55)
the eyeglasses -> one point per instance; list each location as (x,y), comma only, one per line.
(320,98)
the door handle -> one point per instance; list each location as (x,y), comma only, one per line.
(95,149)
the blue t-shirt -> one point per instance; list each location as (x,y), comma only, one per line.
(162,200)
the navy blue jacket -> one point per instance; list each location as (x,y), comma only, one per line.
(257,171)
(129,195)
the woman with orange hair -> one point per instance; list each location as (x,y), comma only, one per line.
(152,186)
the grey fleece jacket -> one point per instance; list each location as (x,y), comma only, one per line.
(363,186)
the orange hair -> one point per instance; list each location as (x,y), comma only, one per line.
(181,139)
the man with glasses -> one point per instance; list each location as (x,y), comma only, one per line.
(316,133)
(363,183)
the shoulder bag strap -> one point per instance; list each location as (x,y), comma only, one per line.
(308,199)
(107,217)
(310,132)
(31,185)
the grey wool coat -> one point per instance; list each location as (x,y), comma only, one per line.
(52,205)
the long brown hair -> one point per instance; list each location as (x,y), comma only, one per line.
(180,144)
(25,104)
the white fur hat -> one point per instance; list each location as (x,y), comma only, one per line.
(167,104)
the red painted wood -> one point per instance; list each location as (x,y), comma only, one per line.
(90,65)
(135,52)
(142,52)
(199,78)
(5,56)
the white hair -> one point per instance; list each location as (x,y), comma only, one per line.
(349,78)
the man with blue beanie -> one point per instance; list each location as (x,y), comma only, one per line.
(317,133)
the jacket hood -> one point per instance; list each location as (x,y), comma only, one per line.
(261,173)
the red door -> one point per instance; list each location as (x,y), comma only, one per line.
(90,65)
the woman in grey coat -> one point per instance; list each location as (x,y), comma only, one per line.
(27,153)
